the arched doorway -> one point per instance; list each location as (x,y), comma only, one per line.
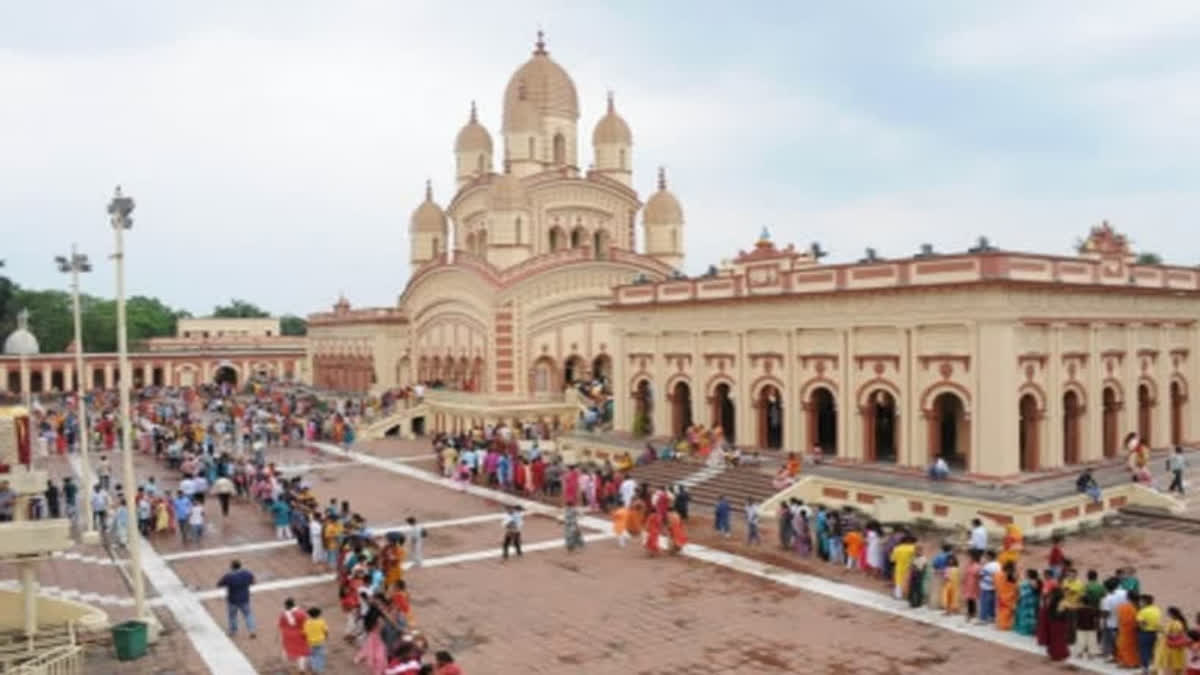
(560,149)
(600,244)
(602,369)
(573,370)
(949,432)
(1072,411)
(879,418)
(1178,399)
(643,409)
(558,239)
(681,409)
(226,374)
(822,420)
(1029,435)
(1145,413)
(544,379)
(1112,408)
(723,411)
(578,237)
(770,418)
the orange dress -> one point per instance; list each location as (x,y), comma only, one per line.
(1127,630)
(678,533)
(853,542)
(653,527)
(1006,601)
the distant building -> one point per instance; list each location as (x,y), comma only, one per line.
(218,327)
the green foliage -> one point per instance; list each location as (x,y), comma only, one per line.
(240,309)
(290,324)
(1149,259)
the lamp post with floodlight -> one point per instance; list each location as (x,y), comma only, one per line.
(74,265)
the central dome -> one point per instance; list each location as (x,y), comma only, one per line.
(544,84)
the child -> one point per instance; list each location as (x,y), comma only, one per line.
(853,541)
(752,522)
(970,586)
(316,632)
(950,584)
(1057,558)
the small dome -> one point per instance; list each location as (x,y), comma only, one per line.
(473,137)
(507,193)
(21,342)
(662,208)
(543,83)
(428,217)
(612,128)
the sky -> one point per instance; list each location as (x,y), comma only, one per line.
(276,149)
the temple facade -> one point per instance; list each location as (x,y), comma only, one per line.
(509,279)
(1000,362)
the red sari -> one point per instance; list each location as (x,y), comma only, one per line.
(678,534)
(1058,633)
(291,630)
(653,528)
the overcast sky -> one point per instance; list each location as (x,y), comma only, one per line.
(277,149)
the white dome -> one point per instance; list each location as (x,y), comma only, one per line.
(540,86)
(21,343)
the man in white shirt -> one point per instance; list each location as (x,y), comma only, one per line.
(1108,609)
(979,537)
(188,487)
(628,489)
(513,521)
(100,509)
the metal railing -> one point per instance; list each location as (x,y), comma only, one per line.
(62,660)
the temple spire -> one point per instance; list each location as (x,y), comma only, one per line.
(540,45)
(428,190)
(474,117)
(662,178)
(610,102)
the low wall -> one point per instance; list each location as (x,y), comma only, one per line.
(897,505)
(50,611)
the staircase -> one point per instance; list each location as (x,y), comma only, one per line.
(707,484)
(397,420)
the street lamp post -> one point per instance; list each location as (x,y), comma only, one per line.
(78,262)
(119,210)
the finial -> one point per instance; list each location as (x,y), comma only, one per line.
(662,178)
(117,192)
(473,117)
(428,190)
(765,235)
(23,316)
(610,101)
(540,45)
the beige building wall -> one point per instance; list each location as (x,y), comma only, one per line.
(214,327)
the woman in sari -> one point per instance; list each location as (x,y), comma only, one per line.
(653,528)
(635,520)
(951,580)
(1058,627)
(678,534)
(1013,544)
(1027,604)
(1006,596)
(1174,644)
(1127,632)
(801,543)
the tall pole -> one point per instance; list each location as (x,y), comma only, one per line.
(119,209)
(75,264)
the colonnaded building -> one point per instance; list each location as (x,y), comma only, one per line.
(1001,362)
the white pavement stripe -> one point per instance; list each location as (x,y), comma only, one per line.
(285,543)
(217,651)
(807,582)
(457,558)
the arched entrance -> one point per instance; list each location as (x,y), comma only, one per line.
(602,368)
(578,237)
(723,411)
(770,418)
(681,409)
(949,436)
(226,374)
(1112,409)
(1145,413)
(600,241)
(643,409)
(558,239)
(1072,411)
(822,420)
(879,426)
(573,370)
(544,379)
(1178,399)
(1029,433)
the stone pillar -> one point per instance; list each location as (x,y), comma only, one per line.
(995,431)
(744,416)
(660,370)
(108,376)
(793,418)
(621,394)
(1191,414)
(47,375)
(1052,451)
(68,377)
(1131,367)
(846,408)
(699,397)
(3,377)
(910,406)
(1093,417)
(1160,370)
(279,369)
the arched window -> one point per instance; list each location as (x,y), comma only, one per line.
(532,148)
(600,243)
(557,240)
(560,149)
(436,247)
(479,164)
(518,230)
(622,160)
(578,237)
(482,241)
(471,243)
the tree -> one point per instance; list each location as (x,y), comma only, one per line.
(1148,259)
(240,309)
(290,324)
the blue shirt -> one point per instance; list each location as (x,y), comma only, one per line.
(237,586)
(183,506)
(722,511)
(281,512)
(940,560)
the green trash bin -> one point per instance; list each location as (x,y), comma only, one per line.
(129,639)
